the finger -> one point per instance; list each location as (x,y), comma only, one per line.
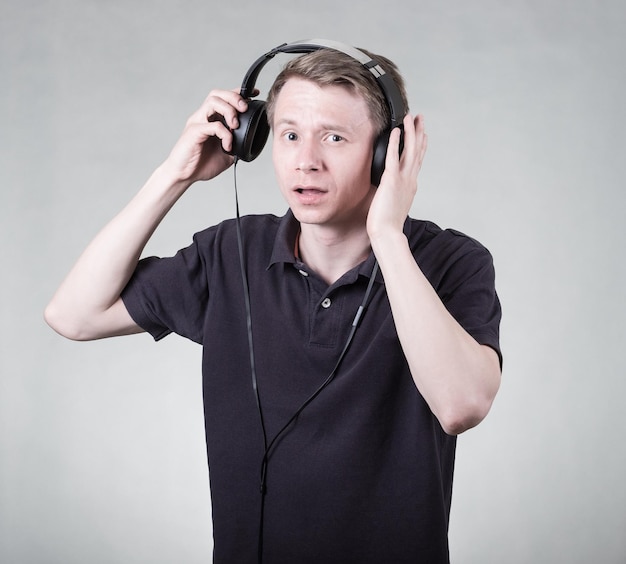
(415,142)
(407,158)
(393,149)
(233,97)
(221,105)
(200,133)
(422,138)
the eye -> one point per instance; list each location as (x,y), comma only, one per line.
(291,136)
(335,138)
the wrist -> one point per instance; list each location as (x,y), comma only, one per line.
(388,241)
(169,176)
(162,190)
(166,180)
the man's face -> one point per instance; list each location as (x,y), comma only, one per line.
(322,153)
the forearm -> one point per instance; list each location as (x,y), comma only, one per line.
(456,375)
(83,306)
(88,303)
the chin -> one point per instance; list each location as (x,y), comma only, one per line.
(308,216)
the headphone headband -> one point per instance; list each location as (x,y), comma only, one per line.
(250,137)
(387,84)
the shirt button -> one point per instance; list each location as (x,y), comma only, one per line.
(326,303)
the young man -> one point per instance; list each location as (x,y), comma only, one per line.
(360,469)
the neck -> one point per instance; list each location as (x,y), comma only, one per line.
(332,254)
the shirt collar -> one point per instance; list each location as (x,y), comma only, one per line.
(285,242)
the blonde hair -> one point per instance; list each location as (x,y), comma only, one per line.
(327,67)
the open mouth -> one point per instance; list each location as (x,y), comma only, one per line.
(311,190)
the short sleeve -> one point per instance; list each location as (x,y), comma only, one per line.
(167,295)
(461,270)
(470,296)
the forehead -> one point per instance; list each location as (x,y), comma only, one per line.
(301,99)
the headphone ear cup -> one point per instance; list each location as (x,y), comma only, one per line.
(251,135)
(380,154)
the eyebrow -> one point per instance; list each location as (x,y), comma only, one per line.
(324,126)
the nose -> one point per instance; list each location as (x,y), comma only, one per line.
(308,157)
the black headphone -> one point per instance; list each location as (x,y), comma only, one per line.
(251,135)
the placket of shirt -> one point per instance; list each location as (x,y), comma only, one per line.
(326,305)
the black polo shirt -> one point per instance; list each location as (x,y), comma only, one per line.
(365,472)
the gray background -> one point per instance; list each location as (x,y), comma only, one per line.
(102,453)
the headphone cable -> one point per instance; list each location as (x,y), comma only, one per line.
(355,324)
(246,292)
